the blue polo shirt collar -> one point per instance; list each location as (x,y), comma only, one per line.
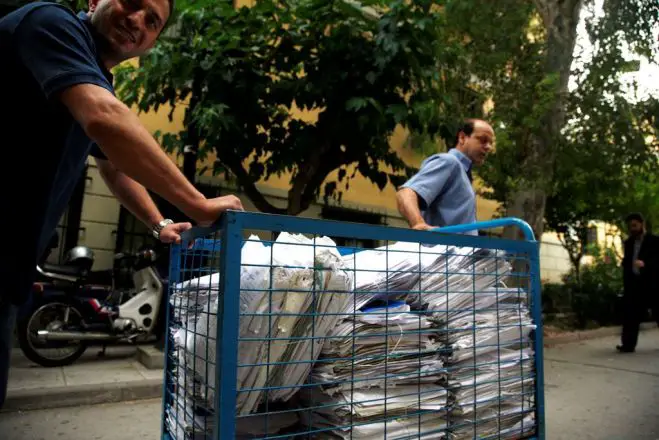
(464,160)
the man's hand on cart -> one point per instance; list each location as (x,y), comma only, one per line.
(423,227)
(212,209)
(172,232)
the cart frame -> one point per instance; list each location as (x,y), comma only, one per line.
(233,224)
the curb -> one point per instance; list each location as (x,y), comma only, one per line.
(59,397)
(585,335)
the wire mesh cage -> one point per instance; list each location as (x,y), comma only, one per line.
(274,332)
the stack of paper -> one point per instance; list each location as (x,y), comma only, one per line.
(185,422)
(400,412)
(377,346)
(383,366)
(490,370)
(392,271)
(292,294)
(511,423)
(477,333)
(461,280)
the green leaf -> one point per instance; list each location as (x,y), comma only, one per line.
(355,104)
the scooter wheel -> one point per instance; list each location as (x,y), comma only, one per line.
(27,341)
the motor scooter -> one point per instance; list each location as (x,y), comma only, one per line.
(72,307)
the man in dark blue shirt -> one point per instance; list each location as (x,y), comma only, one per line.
(56,84)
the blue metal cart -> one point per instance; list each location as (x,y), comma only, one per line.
(274,332)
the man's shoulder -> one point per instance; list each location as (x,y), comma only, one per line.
(440,159)
(48,15)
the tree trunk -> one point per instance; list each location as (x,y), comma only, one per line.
(191,148)
(560,18)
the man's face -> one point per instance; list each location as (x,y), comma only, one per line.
(131,27)
(477,145)
(635,228)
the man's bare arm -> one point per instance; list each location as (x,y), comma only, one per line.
(130,193)
(408,206)
(133,150)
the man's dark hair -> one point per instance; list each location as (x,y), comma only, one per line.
(635,216)
(467,127)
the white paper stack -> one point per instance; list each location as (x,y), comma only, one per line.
(392,271)
(185,422)
(381,367)
(406,411)
(460,281)
(491,368)
(477,333)
(292,294)
(380,345)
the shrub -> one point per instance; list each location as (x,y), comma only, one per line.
(593,295)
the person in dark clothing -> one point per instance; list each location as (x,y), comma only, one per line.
(56,80)
(640,266)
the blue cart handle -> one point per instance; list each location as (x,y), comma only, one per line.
(490,224)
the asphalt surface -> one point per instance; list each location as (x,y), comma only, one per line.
(592,392)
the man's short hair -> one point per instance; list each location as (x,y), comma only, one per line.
(637,216)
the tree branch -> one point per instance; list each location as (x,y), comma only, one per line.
(248,185)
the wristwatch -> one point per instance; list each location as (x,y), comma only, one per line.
(160,226)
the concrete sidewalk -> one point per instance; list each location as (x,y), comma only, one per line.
(117,377)
(121,377)
(594,393)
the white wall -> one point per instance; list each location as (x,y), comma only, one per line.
(99,219)
(554,259)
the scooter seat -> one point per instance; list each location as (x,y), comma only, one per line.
(62,269)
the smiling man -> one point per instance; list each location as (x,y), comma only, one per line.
(441,194)
(59,107)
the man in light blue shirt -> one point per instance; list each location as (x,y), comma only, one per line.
(441,193)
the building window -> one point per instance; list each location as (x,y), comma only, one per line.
(591,240)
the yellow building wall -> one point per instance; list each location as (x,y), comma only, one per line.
(361,192)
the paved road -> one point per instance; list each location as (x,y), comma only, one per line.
(592,393)
(122,421)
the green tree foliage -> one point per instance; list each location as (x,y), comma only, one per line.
(608,142)
(237,72)
(560,155)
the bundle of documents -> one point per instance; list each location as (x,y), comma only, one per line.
(292,294)
(185,422)
(392,271)
(422,275)
(380,369)
(511,423)
(459,281)
(472,334)
(490,370)
(405,411)
(380,346)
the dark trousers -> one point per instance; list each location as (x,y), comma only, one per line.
(7,321)
(635,305)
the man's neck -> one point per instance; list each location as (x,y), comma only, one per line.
(462,150)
